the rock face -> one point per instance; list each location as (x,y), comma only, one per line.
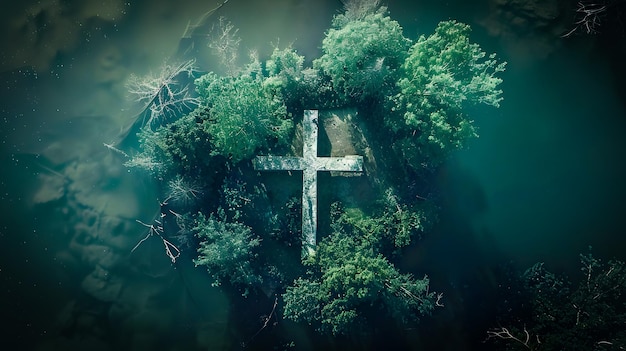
(338,128)
(348,135)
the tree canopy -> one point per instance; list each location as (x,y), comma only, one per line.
(441,74)
(227,249)
(420,90)
(245,116)
(352,283)
(362,54)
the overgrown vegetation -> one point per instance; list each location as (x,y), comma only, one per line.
(227,249)
(362,55)
(554,313)
(351,281)
(245,115)
(442,74)
(248,243)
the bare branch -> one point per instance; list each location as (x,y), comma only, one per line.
(266,321)
(505,334)
(358,9)
(182,191)
(116,150)
(589,14)
(156,229)
(224,42)
(164,95)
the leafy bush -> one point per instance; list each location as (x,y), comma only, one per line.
(181,147)
(284,69)
(391,225)
(227,250)
(300,88)
(245,116)
(350,282)
(441,74)
(363,54)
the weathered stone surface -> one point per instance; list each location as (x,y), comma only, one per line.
(338,127)
(310,163)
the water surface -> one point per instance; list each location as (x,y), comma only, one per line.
(542,183)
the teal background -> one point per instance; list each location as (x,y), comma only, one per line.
(544,181)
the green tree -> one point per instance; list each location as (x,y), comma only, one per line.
(351,284)
(362,53)
(227,249)
(245,115)
(442,73)
(182,147)
(285,72)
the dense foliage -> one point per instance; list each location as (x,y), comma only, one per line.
(181,147)
(203,159)
(559,315)
(391,225)
(442,73)
(352,285)
(362,55)
(227,249)
(246,116)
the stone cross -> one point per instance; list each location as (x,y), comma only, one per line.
(309,164)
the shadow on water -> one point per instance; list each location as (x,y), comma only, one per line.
(461,260)
(549,161)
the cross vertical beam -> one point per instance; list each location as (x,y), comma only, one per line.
(309,164)
(310,130)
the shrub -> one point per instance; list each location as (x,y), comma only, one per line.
(363,54)
(350,281)
(227,249)
(245,116)
(183,147)
(441,74)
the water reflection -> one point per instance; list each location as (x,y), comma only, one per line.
(542,182)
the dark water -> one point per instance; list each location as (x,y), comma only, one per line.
(543,182)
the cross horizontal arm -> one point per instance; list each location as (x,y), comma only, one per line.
(346,164)
(278,163)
